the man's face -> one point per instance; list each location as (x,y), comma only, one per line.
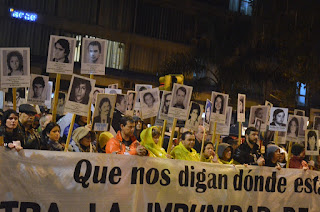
(128,129)
(188,142)
(80,92)
(26,119)
(252,137)
(180,97)
(199,134)
(94,53)
(59,52)
(37,90)
(148,99)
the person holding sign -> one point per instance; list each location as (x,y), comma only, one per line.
(185,151)
(149,139)
(248,152)
(125,143)
(104,109)
(15,64)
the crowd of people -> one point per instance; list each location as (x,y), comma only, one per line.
(30,130)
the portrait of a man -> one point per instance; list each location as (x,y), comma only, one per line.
(80,91)
(94,52)
(38,87)
(166,103)
(180,96)
(61,51)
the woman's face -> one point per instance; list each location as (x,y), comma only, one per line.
(218,103)
(227,154)
(293,127)
(80,92)
(259,114)
(85,141)
(14,63)
(105,108)
(156,139)
(280,118)
(54,134)
(208,151)
(281,157)
(149,100)
(194,114)
(59,52)
(276,155)
(12,121)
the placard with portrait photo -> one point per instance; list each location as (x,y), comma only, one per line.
(194,116)
(316,123)
(312,142)
(8,98)
(61,55)
(95,93)
(138,88)
(61,102)
(219,106)
(314,112)
(131,100)
(293,128)
(150,102)
(48,101)
(114,86)
(241,108)
(165,104)
(278,119)
(38,90)
(260,112)
(79,95)
(103,113)
(121,103)
(207,114)
(303,124)
(298,112)
(15,67)
(93,56)
(224,128)
(181,96)
(112,91)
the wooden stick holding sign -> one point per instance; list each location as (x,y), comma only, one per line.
(240,133)
(289,154)
(14,98)
(55,100)
(213,139)
(163,131)
(90,101)
(202,144)
(217,145)
(276,137)
(172,135)
(70,132)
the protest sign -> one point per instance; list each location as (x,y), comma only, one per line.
(219,107)
(38,90)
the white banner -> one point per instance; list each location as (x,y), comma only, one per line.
(59,181)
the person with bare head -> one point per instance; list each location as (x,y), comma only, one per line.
(185,151)
(198,138)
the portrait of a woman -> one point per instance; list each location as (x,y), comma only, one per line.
(15,63)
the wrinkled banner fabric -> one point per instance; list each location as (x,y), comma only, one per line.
(58,181)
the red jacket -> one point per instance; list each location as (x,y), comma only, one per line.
(115,145)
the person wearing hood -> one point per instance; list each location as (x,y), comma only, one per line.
(82,139)
(225,153)
(273,155)
(208,153)
(283,158)
(102,142)
(185,151)
(150,138)
(298,154)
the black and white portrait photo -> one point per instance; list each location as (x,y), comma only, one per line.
(260,112)
(15,68)
(207,113)
(8,97)
(61,55)
(103,112)
(37,93)
(293,128)
(95,92)
(138,88)
(298,112)
(150,102)
(93,57)
(278,119)
(121,103)
(61,103)
(219,106)
(164,106)
(257,124)
(131,100)
(316,123)
(113,86)
(112,91)
(241,116)
(224,128)
(194,116)
(181,95)
(79,94)
(312,142)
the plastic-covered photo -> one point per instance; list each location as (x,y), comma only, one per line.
(113,86)
(219,106)
(8,98)
(298,112)
(150,102)
(181,95)
(61,103)
(241,108)
(61,55)
(131,100)
(93,56)
(113,91)
(207,114)
(312,142)
(138,88)
(79,95)
(15,67)
(194,116)
(38,90)
(260,112)
(278,119)
(224,129)
(164,106)
(295,124)
(103,112)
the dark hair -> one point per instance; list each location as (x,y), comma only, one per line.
(105,100)
(22,92)
(125,119)
(166,95)
(222,103)
(183,136)
(275,113)
(194,106)
(148,93)
(49,127)
(6,115)
(20,58)
(76,83)
(66,46)
(95,43)
(120,97)
(294,119)
(77,119)
(206,144)
(142,88)
(312,134)
(155,132)
(38,80)
(61,95)
(183,89)
(250,129)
